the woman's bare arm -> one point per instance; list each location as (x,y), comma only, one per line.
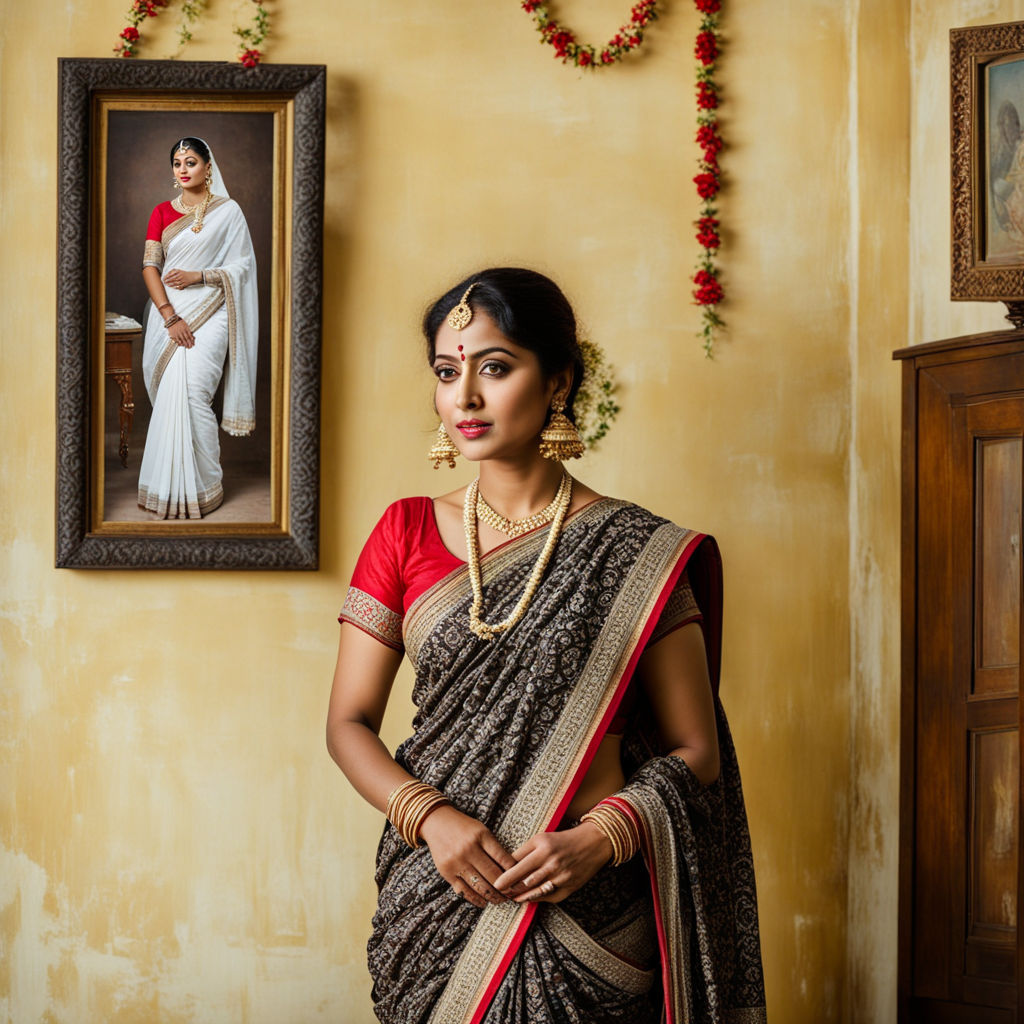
(179,332)
(363,677)
(674,673)
(466,853)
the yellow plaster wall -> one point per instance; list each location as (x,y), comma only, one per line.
(175,844)
(879,217)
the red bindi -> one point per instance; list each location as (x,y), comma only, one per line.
(462,355)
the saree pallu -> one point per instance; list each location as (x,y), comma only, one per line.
(507,729)
(180,476)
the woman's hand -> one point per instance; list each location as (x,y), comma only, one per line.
(182,278)
(466,854)
(552,865)
(181,334)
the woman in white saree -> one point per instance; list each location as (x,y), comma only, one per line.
(200,271)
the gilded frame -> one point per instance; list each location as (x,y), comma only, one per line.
(987,145)
(290,99)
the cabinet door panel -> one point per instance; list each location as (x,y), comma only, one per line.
(967,847)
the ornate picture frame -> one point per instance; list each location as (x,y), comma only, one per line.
(117,121)
(987,165)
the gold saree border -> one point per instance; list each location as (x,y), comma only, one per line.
(206,311)
(202,317)
(365,612)
(602,961)
(153,254)
(564,752)
(436,601)
(560,763)
(176,227)
(237,427)
(745,1015)
(660,853)
(161,364)
(205,503)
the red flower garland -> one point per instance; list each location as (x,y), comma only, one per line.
(584,55)
(250,38)
(139,12)
(708,291)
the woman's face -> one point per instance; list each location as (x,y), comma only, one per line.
(189,168)
(491,394)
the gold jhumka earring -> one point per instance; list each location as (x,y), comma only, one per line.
(560,440)
(443,450)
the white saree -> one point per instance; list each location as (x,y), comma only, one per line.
(181,476)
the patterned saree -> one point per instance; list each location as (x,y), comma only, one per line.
(507,729)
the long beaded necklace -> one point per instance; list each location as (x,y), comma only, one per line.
(516,527)
(198,210)
(487,630)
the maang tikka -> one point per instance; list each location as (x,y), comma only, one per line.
(461,314)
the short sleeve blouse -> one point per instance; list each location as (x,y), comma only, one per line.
(161,216)
(404,556)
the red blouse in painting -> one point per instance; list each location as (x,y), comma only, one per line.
(404,556)
(161,216)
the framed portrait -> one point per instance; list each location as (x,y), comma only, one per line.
(987,139)
(190,233)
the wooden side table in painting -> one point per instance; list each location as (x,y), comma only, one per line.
(118,364)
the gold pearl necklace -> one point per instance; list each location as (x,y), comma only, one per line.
(198,210)
(486,630)
(515,527)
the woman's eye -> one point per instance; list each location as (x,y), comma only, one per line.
(444,372)
(493,369)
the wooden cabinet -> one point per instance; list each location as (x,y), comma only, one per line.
(960,820)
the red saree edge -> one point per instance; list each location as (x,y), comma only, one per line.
(666,977)
(624,679)
(504,963)
(519,934)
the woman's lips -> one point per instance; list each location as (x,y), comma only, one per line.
(185,178)
(472,428)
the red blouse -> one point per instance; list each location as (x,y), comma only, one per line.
(404,556)
(161,216)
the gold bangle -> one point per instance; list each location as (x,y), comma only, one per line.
(620,830)
(408,806)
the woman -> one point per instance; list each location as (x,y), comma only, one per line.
(559,647)
(200,271)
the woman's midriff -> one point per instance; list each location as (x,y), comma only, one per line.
(603,778)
